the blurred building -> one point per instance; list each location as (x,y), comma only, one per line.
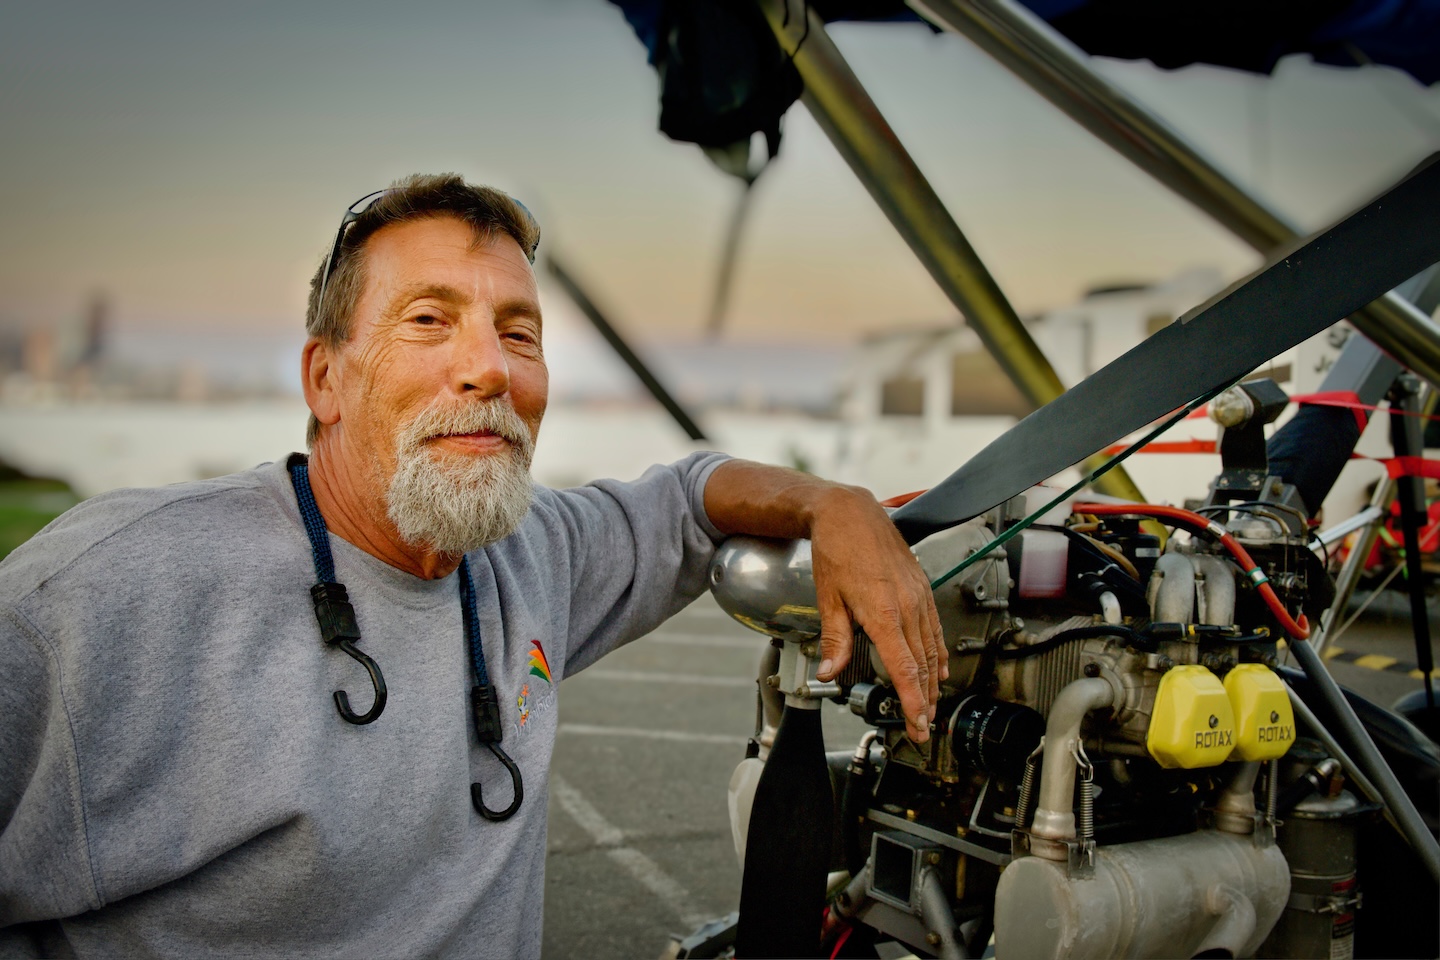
(919,403)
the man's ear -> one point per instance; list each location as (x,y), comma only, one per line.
(319,378)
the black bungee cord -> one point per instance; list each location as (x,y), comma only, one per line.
(339,628)
(484,705)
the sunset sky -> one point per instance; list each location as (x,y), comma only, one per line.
(192,159)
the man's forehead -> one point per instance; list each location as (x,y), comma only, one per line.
(443,257)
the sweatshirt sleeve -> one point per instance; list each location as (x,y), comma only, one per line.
(45,868)
(639,552)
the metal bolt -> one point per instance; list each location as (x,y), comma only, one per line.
(1274,716)
(1092,669)
(933,939)
(1214,721)
(773,681)
(932,858)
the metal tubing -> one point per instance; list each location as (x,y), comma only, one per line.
(1235,809)
(1354,566)
(936,916)
(617,343)
(1344,528)
(1404,332)
(1055,818)
(843,109)
(1397,801)
(1060,72)
(1323,734)
(1407,440)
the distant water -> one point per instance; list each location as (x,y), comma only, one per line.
(99,447)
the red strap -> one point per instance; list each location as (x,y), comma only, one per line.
(1329,398)
(1412,467)
(1339,398)
(1395,466)
(1168,446)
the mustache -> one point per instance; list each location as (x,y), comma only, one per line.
(494,415)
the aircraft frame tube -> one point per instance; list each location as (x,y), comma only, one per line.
(852,121)
(1059,71)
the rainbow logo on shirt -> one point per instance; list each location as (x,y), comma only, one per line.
(539,665)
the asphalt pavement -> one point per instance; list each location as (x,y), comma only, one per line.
(639,843)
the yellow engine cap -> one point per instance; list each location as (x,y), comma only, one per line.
(1264,722)
(1193,724)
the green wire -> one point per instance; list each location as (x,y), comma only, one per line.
(1083,482)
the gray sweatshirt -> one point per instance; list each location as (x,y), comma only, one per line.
(174,777)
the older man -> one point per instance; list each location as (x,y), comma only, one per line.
(174,776)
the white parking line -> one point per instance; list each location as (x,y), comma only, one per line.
(645,733)
(642,868)
(645,676)
(709,611)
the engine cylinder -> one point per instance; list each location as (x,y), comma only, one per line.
(1174,897)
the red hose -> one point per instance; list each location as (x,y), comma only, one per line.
(1300,630)
(899,500)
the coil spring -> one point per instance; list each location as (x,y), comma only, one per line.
(1086,825)
(1026,800)
(1272,790)
(1027,796)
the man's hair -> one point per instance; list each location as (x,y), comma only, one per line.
(490,213)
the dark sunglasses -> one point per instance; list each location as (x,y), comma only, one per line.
(357,209)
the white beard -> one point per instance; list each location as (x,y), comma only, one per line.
(455,504)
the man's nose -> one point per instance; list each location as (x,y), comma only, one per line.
(479,364)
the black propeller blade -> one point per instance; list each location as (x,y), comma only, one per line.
(787,849)
(1320,282)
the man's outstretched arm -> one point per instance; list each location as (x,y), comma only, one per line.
(864,573)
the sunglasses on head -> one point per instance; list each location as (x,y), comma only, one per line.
(355,211)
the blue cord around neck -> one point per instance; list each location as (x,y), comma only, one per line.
(314,523)
(330,597)
(319,536)
(472,624)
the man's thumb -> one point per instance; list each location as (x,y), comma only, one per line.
(835,645)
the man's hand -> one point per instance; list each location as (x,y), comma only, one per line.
(864,574)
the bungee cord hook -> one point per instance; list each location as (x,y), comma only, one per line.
(342,702)
(485,711)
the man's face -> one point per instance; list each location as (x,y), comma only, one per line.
(443,372)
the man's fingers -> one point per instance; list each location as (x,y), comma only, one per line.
(934,649)
(921,642)
(939,633)
(904,657)
(837,638)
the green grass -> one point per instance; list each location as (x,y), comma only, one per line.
(26,505)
